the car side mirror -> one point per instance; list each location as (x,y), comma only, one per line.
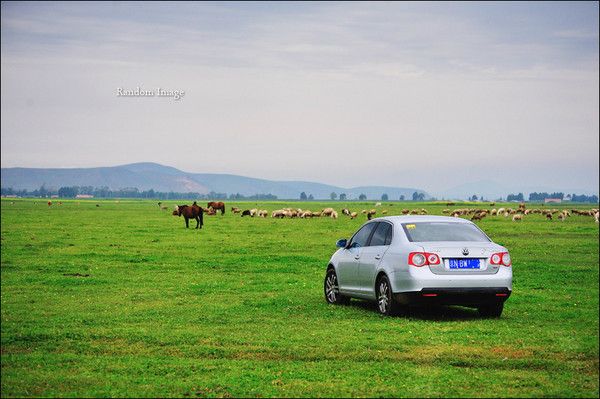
(341,243)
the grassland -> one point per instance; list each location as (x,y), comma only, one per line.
(122,300)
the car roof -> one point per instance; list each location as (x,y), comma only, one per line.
(420,218)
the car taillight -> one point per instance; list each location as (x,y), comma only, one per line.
(419,259)
(500,258)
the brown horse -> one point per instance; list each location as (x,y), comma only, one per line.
(217,206)
(190,212)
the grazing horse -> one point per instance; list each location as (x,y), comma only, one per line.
(217,206)
(190,212)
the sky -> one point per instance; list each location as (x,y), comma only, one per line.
(427,95)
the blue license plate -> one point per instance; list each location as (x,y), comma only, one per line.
(463,263)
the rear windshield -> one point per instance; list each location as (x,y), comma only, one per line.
(443,231)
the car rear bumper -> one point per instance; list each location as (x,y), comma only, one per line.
(454,296)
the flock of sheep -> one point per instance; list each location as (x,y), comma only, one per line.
(518,214)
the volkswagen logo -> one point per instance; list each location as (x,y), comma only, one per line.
(465,251)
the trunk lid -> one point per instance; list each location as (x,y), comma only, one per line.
(463,257)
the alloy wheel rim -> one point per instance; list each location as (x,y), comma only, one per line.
(383,299)
(331,288)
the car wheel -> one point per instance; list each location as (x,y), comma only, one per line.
(491,310)
(332,289)
(385,300)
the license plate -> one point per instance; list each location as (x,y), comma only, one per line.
(463,263)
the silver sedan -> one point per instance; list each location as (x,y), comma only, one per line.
(403,260)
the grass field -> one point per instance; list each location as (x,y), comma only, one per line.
(122,300)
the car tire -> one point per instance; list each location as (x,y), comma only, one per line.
(386,305)
(331,289)
(493,310)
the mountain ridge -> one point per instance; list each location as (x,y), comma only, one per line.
(150,175)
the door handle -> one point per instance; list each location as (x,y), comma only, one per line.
(377,257)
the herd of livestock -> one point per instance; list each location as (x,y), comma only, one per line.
(474,214)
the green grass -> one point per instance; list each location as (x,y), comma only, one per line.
(237,309)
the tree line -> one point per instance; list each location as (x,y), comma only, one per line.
(130,192)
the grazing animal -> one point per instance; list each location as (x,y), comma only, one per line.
(190,212)
(516,217)
(217,206)
(561,217)
(327,211)
(345,211)
(405,211)
(378,204)
(446,211)
(549,216)
(371,213)
(450,204)
(235,209)
(49,203)
(263,213)
(334,215)
(246,213)
(596,215)
(384,212)
(353,215)
(492,204)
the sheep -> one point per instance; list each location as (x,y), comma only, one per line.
(345,211)
(596,216)
(494,212)
(446,211)
(384,212)
(549,216)
(334,215)
(500,211)
(378,204)
(506,214)
(246,212)
(363,211)
(253,212)
(263,213)
(316,214)
(423,211)
(371,213)
(516,217)
(353,215)
(561,217)
(405,211)
(235,209)
(414,212)
(327,211)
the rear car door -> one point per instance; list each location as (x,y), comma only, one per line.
(371,256)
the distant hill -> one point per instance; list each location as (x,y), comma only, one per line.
(146,176)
